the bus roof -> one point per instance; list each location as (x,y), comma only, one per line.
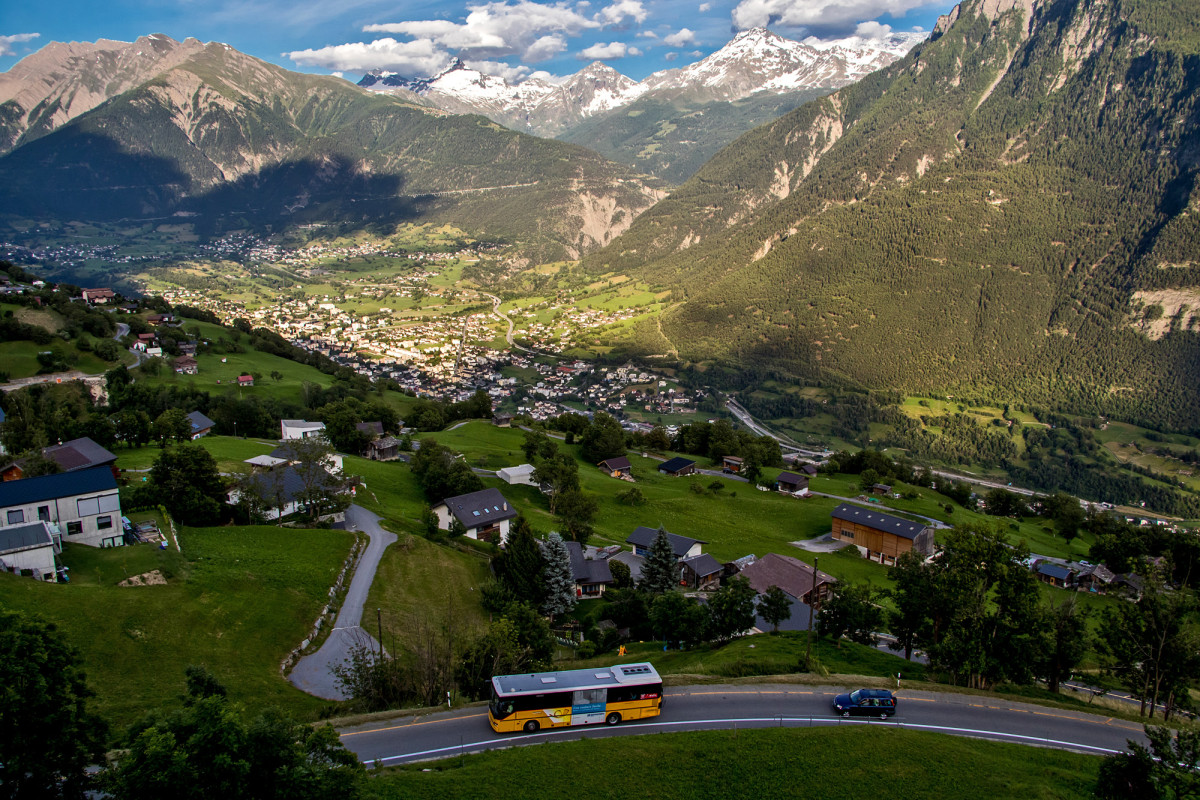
(574,679)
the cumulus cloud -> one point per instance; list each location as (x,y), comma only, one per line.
(533,31)
(684,37)
(419,57)
(872,30)
(623,9)
(7,42)
(825,14)
(501,70)
(603,52)
(705,8)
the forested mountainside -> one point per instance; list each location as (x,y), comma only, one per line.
(673,137)
(228,141)
(1010,211)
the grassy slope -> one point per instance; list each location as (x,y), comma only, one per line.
(422,582)
(237,600)
(19,359)
(229,452)
(851,762)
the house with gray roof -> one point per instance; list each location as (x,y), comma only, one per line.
(77,454)
(201,425)
(591,575)
(701,572)
(83,506)
(29,549)
(683,547)
(485,514)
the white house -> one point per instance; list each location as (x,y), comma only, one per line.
(485,514)
(83,504)
(300,429)
(520,474)
(32,547)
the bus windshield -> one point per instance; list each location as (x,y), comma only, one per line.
(500,708)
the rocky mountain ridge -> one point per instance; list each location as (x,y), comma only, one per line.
(755,60)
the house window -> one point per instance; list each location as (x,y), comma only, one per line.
(847,534)
(111,541)
(103,523)
(16,517)
(44,513)
(74,528)
(89,507)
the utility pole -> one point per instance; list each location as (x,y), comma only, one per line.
(379,618)
(812,600)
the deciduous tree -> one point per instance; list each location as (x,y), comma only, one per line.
(775,607)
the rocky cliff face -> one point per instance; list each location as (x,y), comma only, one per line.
(63,80)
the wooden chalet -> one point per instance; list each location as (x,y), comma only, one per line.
(878,536)
(701,572)
(678,466)
(732,464)
(791,483)
(618,467)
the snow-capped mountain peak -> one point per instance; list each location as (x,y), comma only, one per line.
(754,60)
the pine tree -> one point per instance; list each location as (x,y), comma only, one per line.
(658,573)
(560,586)
(520,566)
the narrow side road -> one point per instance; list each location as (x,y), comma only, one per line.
(314,673)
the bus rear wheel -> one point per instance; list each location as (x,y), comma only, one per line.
(612,719)
(532,726)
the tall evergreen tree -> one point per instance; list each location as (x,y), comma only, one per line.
(658,573)
(520,565)
(560,585)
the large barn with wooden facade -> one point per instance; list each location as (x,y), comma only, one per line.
(878,536)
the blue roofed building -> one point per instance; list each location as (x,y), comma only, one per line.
(82,506)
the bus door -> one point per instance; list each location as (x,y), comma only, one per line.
(588,706)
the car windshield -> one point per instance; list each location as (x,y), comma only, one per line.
(855,696)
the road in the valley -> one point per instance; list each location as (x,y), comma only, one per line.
(508,336)
(446,734)
(313,673)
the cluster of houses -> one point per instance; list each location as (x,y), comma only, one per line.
(1086,577)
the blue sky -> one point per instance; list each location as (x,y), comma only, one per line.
(514,38)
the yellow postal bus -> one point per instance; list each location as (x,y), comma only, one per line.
(574,697)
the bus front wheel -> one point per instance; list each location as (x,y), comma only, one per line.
(612,719)
(532,726)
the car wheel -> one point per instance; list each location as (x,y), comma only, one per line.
(884,715)
(845,713)
(532,726)
(612,719)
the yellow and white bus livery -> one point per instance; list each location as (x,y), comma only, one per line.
(574,697)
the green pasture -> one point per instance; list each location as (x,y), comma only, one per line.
(237,599)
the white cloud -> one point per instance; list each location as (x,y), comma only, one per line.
(647,34)
(873,30)
(670,56)
(337,73)
(621,9)
(705,8)
(533,31)
(545,47)
(418,57)
(500,70)
(817,13)
(684,37)
(7,42)
(602,52)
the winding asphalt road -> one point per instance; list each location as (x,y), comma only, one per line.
(313,673)
(446,734)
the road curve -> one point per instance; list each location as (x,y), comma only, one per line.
(313,673)
(446,734)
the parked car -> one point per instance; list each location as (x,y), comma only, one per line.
(870,702)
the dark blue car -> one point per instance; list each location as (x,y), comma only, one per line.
(870,702)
